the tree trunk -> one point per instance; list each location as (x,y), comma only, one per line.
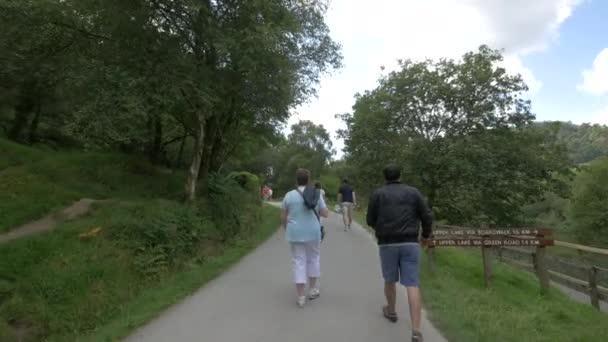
(18,125)
(210,135)
(157,142)
(35,122)
(195,165)
(217,156)
(179,161)
(25,106)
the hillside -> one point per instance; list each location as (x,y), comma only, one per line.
(131,257)
(34,182)
(584,143)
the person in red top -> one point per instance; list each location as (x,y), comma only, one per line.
(265,191)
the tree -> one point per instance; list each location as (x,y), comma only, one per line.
(142,75)
(584,142)
(588,213)
(35,57)
(257,59)
(308,146)
(313,143)
(462,132)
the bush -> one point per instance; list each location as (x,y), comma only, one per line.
(330,184)
(247,181)
(232,207)
(589,207)
(161,233)
(59,287)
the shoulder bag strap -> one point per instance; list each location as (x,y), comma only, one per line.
(313,210)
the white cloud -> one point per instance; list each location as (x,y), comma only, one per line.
(600,116)
(514,64)
(524,25)
(595,80)
(377,33)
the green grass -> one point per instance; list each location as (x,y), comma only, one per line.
(154,300)
(34,182)
(151,252)
(512,309)
(62,289)
(13,154)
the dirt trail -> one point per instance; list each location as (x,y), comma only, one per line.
(49,222)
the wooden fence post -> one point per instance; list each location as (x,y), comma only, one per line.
(593,292)
(540,265)
(487,265)
(430,252)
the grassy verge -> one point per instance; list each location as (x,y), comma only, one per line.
(149,255)
(512,309)
(154,300)
(359,216)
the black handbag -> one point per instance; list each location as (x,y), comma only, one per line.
(312,207)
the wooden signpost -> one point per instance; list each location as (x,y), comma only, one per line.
(451,236)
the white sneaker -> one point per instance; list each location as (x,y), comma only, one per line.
(301,301)
(314,293)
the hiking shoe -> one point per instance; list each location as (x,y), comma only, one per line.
(314,293)
(301,301)
(391,316)
(417,336)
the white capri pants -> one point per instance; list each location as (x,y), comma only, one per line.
(305,261)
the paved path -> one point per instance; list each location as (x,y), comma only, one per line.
(255,301)
(579,296)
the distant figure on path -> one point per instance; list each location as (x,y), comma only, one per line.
(266,193)
(395,212)
(347,200)
(300,217)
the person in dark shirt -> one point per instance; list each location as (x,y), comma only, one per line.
(395,212)
(347,200)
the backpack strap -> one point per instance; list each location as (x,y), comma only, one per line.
(313,210)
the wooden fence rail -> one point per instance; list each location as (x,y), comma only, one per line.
(582,278)
(526,249)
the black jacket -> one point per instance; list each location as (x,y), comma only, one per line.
(395,212)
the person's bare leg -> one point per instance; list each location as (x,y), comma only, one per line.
(390,292)
(415,302)
(350,215)
(312,282)
(300,289)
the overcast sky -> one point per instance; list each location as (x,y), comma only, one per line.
(559,46)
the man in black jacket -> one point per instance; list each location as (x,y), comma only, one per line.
(395,212)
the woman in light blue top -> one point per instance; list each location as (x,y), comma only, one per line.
(303,232)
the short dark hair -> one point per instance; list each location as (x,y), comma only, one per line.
(302,176)
(318,185)
(392,172)
(345,181)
